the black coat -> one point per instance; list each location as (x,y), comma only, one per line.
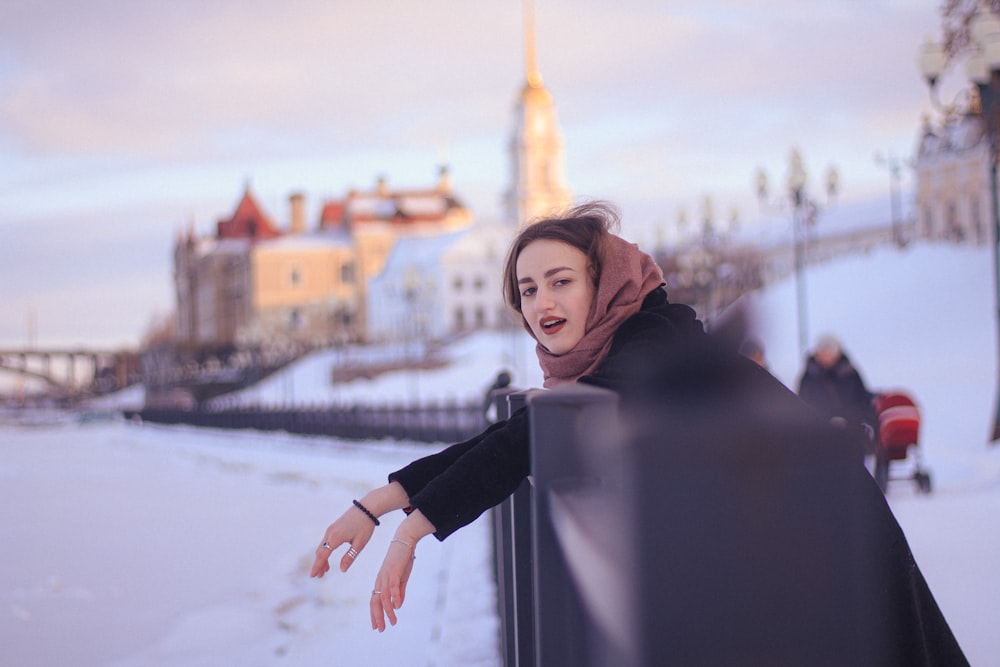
(453,487)
(837,391)
(833,555)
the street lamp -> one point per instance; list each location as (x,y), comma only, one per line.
(894,165)
(796,182)
(982,67)
(804,213)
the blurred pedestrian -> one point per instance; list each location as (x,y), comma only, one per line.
(501,383)
(832,385)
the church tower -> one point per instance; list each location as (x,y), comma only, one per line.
(538,184)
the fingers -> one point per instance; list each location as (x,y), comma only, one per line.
(323,552)
(353,529)
(390,587)
(348,558)
(381,607)
(398,587)
(398,594)
(321,564)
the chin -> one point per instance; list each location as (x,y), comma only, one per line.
(561,348)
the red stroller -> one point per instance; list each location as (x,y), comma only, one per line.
(898,430)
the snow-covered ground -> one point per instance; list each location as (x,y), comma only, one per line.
(135,545)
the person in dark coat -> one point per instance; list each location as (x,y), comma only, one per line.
(833,386)
(501,383)
(597,307)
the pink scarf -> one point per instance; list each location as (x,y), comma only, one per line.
(627,276)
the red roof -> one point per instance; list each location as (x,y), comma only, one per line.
(247,222)
(400,207)
(332,215)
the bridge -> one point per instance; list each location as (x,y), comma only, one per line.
(711,273)
(71,373)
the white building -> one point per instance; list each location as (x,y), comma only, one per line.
(953,180)
(472,267)
(406,301)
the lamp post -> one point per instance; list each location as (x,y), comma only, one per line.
(796,182)
(982,66)
(804,214)
(894,165)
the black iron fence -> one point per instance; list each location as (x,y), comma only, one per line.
(679,539)
(433,422)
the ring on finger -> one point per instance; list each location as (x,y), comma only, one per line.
(352,553)
(376,592)
(326,545)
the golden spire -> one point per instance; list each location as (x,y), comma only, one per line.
(531,64)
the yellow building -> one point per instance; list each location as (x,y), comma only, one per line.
(253,283)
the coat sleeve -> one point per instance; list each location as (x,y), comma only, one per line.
(453,487)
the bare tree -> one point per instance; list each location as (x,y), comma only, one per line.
(955,18)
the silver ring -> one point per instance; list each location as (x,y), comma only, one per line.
(326,545)
(376,592)
(351,553)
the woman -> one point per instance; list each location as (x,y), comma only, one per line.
(574,284)
(597,308)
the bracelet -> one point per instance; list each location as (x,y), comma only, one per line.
(412,550)
(366,511)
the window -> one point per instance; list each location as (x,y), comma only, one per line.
(347,273)
(459,318)
(953,228)
(295,277)
(458,283)
(976,219)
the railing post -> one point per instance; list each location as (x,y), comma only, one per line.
(513,553)
(572,432)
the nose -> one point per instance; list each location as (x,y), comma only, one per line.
(543,300)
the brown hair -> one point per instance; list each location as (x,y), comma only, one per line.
(583,227)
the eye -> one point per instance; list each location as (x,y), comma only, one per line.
(528,291)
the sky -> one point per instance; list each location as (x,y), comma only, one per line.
(122,123)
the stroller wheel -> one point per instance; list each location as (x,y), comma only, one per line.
(923,482)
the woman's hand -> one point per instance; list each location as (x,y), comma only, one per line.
(355,528)
(390,582)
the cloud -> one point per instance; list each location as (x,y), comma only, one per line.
(165,79)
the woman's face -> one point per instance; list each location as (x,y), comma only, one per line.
(556,293)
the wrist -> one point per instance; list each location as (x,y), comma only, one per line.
(384,499)
(414,528)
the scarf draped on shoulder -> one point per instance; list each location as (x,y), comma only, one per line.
(627,276)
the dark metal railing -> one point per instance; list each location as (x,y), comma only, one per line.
(512,541)
(682,537)
(543,608)
(434,422)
